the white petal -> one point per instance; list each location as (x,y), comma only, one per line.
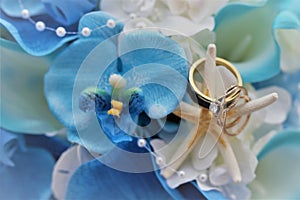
(246,159)
(177,7)
(200,163)
(289,40)
(114,8)
(182,25)
(258,146)
(237,191)
(219,175)
(138,23)
(190,174)
(201,9)
(65,167)
(278,111)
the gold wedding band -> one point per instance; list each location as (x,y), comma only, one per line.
(204,100)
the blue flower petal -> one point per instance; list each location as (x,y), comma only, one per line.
(13,9)
(30,178)
(61,89)
(32,41)
(94,179)
(23,106)
(157,65)
(68,12)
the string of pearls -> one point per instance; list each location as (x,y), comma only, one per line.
(142,143)
(61,31)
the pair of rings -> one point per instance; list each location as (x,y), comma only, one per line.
(222,105)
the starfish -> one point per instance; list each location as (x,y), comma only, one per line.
(206,123)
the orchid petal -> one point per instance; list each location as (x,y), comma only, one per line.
(23,106)
(65,167)
(103,180)
(288,36)
(64,11)
(68,73)
(145,55)
(278,170)
(25,33)
(32,172)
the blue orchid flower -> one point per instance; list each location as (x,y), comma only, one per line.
(26,168)
(139,57)
(36,33)
(258,38)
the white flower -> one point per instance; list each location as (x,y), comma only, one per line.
(186,17)
(200,151)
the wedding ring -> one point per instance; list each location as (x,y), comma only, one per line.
(206,101)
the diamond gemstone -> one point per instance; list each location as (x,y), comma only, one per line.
(214,107)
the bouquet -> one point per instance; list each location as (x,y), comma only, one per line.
(150,99)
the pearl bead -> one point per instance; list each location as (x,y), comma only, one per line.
(132,15)
(140,25)
(159,160)
(110,23)
(25,13)
(60,32)
(203,178)
(181,174)
(141,143)
(86,32)
(40,26)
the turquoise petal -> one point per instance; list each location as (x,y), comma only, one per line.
(287,20)
(23,106)
(30,178)
(244,37)
(158,66)
(68,12)
(278,169)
